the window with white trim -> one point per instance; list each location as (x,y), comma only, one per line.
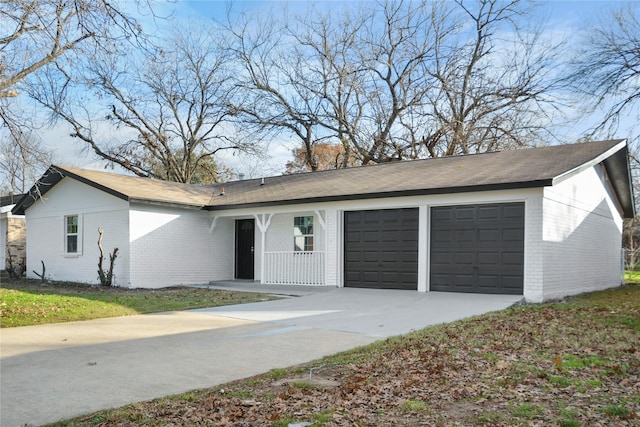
(71,234)
(303,233)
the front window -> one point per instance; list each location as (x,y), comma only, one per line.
(71,234)
(303,233)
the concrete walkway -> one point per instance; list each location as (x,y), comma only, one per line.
(53,372)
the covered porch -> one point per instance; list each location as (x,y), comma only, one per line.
(286,248)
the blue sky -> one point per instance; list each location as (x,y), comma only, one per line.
(565,18)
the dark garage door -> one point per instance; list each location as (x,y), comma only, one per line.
(381,249)
(478,248)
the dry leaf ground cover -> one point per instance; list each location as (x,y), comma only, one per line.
(569,363)
(36,302)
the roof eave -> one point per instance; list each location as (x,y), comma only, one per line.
(166,203)
(619,173)
(51,177)
(405,193)
(622,143)
(616,163)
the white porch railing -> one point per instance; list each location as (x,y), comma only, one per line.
(294,268)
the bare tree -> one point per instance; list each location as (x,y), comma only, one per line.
(378,80)
(40,35)
(495,81)
(607,67)
(606,74)
(400,80)
(169,106)
(349,79)
(276,98)
(22,161)
(36,33)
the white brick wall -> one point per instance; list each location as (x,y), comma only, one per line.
(333,245)
(172,247)
(582,236)
(45,233)
(533,248)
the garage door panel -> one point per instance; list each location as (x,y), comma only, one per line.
(440,258)
(353,256)
(488,281)
(462,236)
(369,236)
(488,213)
(489,235)
(488,259)
(440,236)
(388,244)
(512,258)
(369,256)
(440,279)
(512,282)
(477,248)
(513,211)
(465,214)
(409,277)
(352,236)
(512,235)
(463,258)
(442,215)
(387,257)
(463,280)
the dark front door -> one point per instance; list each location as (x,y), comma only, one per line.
(244,248)
(381,249)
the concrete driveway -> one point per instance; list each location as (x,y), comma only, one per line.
(53,372)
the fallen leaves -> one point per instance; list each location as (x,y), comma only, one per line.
(574,363)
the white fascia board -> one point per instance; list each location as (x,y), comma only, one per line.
(610,152)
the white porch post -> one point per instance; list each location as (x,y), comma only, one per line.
(423,255)
(323,223)
(263,221)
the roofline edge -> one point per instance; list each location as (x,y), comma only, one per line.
(406,193)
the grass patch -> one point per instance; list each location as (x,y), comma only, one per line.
(323,417)
(619,411)
(277,373)
(568,363)
(526,411)
(31,302)
(415,406)
(632,276)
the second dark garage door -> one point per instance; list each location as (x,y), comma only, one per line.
(478,248)
(381,249)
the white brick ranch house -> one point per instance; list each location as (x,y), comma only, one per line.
(542,223)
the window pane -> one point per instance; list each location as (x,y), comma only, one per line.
(72,244)
(303,233)
(72,224)
(302,225)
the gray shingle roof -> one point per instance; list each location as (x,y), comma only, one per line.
(523,168)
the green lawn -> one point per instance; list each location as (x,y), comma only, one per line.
(632,276)
(31,302)
(569,363)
